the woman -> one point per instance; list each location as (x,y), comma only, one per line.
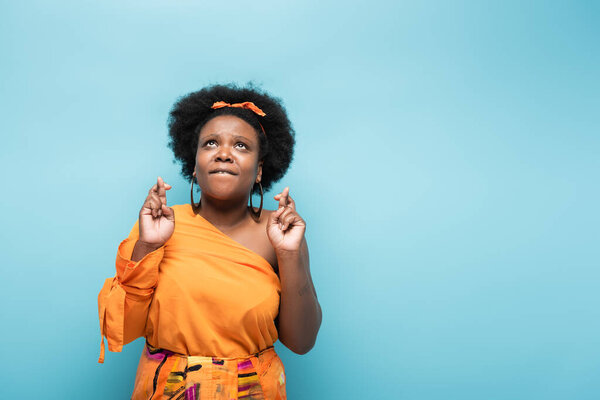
(212,285)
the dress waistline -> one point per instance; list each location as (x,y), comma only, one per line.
(166,374)
(152,350)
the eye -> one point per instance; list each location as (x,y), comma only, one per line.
(241,145)
(210,142)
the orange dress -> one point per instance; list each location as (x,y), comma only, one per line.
(206,305)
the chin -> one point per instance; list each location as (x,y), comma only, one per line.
(222,192)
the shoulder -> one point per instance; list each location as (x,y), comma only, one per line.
(183,212)
(266,214)
(263,221)
(261,238)
(182,208)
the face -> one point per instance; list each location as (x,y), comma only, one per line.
(227,162)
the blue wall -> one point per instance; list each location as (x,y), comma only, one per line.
(447,165)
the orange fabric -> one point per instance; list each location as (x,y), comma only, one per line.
(201,294)
(247,104)
(162,374)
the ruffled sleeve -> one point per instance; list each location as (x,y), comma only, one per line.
(124,300)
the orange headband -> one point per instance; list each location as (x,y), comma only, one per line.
(248,105)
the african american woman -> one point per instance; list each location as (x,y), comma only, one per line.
(213,284)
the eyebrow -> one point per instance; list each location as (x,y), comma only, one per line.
(218,135)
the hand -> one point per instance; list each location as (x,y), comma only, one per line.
(285,227)
(156,220)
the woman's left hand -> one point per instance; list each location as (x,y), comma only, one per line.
(285,227)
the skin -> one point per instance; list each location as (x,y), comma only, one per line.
(230,143)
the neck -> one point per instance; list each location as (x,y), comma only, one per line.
(224,214)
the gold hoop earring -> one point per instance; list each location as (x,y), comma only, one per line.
(195,207)
(256,214)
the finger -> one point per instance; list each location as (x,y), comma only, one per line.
(153,208)
(148,206)
(153,203)
(155,200)
(286,211)
(291,203)
(159,210)
(157,204)
(283,197)
(290,220)
(168,213)
(293,220)
(283,216)
(155,187)
(162,193)
(274,218)
(148,203)
(277,214)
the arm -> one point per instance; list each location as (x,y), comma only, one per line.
(300,313)
(124,300)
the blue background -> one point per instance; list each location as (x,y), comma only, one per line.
(447,165)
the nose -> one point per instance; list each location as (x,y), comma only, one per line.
(224,155)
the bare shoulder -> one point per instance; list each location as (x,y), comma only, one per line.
(265,215)
(262,224)
(264,243)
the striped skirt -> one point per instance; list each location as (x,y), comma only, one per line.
(163,374)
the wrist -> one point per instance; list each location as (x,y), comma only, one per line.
(286,254)
(148,246)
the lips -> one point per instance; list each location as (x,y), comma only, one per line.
(222,171)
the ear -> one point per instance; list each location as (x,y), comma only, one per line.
(259,171)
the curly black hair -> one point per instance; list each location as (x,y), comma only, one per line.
(192,111)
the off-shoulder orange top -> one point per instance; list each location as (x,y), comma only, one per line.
(201,293)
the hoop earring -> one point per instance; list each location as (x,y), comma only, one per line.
(195,207)
(256,214)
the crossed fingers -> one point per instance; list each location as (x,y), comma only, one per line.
(286,213)
(157,197)
(285,200)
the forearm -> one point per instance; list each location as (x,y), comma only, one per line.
(141,249)
(299,312)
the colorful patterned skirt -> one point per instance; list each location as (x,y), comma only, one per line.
(163,374)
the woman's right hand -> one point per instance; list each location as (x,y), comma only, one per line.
(156,220)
